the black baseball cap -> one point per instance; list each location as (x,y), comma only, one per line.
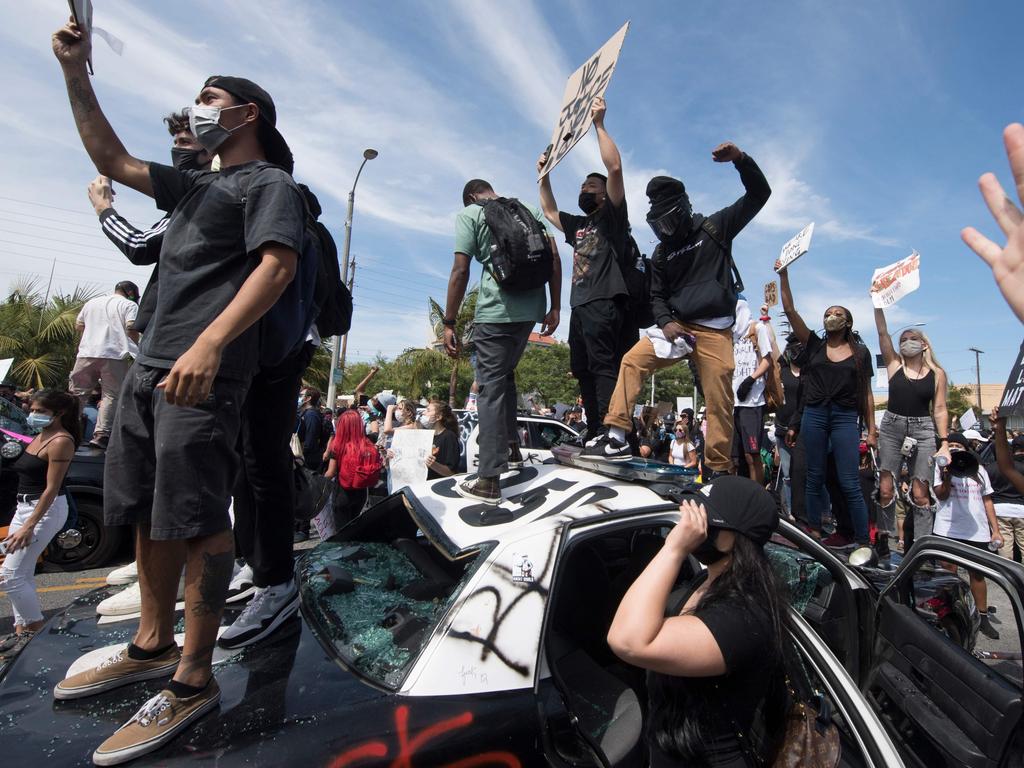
(274,145)
(739,504)
(959,439)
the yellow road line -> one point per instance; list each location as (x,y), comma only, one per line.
(81,585)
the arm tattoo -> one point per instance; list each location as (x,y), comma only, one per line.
(82,100)
(213,583)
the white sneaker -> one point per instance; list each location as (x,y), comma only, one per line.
(241,587)
(129,600)
(267,610)
(124,575)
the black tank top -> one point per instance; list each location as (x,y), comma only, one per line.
(31,471)
(911,397)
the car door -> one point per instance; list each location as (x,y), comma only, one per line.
(949,695)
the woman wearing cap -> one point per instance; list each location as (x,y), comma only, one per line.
(916,410)
(965,513)
(721,658)
(836,386)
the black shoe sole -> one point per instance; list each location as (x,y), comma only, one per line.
(256,634)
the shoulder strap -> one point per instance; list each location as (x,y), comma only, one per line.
(712,231)
(55,437)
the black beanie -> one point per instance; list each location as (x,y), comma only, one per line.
(664,192)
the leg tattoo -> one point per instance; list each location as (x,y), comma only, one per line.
(213,583)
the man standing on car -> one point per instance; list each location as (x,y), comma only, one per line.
(694,287)
(223,265)
(598,298)
(502,325)
(105,352)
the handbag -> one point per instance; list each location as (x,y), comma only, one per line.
(811,740)
(296,445)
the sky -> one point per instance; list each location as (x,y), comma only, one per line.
(872,119)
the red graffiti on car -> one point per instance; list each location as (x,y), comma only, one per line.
(409,746)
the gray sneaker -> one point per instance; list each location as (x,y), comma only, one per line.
(269,608)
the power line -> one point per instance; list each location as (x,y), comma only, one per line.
(91,227)
(44,205)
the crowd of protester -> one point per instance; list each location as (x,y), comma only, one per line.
(189,359)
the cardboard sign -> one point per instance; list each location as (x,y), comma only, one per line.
(584,85)
(968,420)
(795,248)
(890,284)
(411,447)
(771,293)
(1012,402)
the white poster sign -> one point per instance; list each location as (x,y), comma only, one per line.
(410,447)
(795,248)
(968,420)
(682,403)
(890,284)
(5,367)
(587,83)
(324,522)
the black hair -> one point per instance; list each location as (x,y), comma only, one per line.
(129,289)
(596,175)
(475,187)
(65,404)
(679,714)
(177,122)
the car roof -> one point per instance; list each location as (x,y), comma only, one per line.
(545,497)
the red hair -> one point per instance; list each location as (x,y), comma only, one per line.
(349,435)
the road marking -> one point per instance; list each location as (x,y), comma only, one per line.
(84,583)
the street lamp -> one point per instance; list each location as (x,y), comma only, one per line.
(332,387)
(912,325)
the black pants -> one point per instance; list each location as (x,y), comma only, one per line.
(597,343)
(348,504)
(264,506)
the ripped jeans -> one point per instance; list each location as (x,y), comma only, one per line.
(17,576)
(892,431)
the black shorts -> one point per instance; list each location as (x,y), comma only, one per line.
(748,424)
(170,467)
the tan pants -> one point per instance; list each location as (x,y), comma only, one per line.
(1010,528)
(713,357)
(109,374)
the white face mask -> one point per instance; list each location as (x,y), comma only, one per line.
(426,422)
(911,347)
(204,122)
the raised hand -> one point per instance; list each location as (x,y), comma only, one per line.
(70,45)
(726,152)
(1007,263)
(597,110)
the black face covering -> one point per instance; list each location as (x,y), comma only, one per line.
(706,553)
(671,220)
(186,159)
(588,202)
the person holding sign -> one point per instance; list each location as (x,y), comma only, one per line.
(915,414)
(598,323)
(694,288)
(836,379)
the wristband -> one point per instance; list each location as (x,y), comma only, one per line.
(447,323)
(939,441)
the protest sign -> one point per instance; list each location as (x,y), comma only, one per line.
(81,12)
(771,293)
(587,83)
(682,403)
(795,248)
(968,420)
(5,367)
(410,447)
(664,408)
(890,284)
(1012,401)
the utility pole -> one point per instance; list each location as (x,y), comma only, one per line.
(652,390)
(344,339)
(977,373)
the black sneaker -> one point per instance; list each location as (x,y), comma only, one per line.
(987,629)
(483,489)
(515,456)
(607,448)
(882,547)
(711,474)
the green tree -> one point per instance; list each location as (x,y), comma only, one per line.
(39,333)
(545,370)
(959,399)
(463,328)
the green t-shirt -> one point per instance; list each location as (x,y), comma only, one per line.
(494,305)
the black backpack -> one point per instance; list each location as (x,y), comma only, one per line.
(331,297)
(521,255)
(636,272)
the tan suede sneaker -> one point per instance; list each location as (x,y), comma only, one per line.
(116,671)
(161,719)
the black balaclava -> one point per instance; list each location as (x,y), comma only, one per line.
(671,214)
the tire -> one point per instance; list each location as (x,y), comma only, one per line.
(99,542)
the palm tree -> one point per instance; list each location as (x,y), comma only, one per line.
(463,329)
(39,333)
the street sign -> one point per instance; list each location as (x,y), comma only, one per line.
(587,83)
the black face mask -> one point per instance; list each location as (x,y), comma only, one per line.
(186,159)
(588,202)
(674,224)
(706,553)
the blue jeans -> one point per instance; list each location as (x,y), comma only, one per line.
(826,428)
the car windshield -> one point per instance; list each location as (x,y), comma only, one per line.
(376,591)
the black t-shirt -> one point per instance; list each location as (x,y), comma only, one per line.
(447,444)
(791,393)
(1003,491)
(596,239)
(727,703)
(826,382)
(219,221)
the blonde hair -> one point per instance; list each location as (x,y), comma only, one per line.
(928,356)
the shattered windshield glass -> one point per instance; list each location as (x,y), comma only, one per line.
(377,602)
